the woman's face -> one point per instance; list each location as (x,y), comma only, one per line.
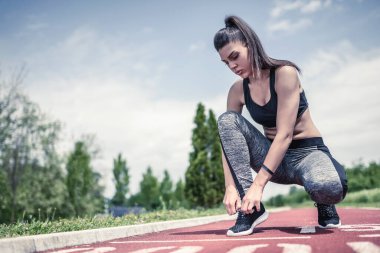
(235,56)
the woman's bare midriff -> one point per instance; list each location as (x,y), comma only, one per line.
(304,128)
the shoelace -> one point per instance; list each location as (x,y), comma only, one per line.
(240,216)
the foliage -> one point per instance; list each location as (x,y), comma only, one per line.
(361,177)
(149,196)
(121,179)
(179,195)
(5,197)
(166,191)
(363,197)
(85,194)
(204,176)
(295,196)
(216,176)
(30,173)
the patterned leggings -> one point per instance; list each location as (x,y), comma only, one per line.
(307,162)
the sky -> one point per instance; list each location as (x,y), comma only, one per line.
(132,72)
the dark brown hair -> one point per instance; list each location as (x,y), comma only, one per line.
(238,30)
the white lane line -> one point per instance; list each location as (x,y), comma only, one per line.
(219,240)
(71,250)
(370,235)
(360,227)
(308,230)
(364,208)
(364,247)
(101,250)
(247,248)
(292,248)
(188,249)
(151,250)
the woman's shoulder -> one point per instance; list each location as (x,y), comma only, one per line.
(237,85)
(286,71)
(286,77)
(236,93)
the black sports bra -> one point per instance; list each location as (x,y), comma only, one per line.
(266,114)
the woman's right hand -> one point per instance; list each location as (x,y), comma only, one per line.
(232,200)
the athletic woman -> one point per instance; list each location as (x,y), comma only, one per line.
(291,151)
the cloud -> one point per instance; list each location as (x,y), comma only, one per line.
(288,26)
(197,46)
(103,85)
(283,7)
(298,9)
(147,30)
(35,26)
(342,84)
(125,119)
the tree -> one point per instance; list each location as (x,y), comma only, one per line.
(27,153)
(43,192)
(195,186)
(121,178)
(204,176)
(362,177)
(149,196)
(166,191)
(5,197)
(215,159)
(85,194)
(179,195)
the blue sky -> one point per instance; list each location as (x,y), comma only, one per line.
(132,72)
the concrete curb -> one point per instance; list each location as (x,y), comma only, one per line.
(67,239)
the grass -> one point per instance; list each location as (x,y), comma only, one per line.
(363,198)
(36,227)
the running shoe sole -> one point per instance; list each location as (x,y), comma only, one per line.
(258,221)
(331,225)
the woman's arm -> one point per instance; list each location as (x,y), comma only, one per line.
(287,89)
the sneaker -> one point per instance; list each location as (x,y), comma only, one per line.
(245,223)
(327,216)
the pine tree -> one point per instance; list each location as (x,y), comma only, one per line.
(196,178)
(179,195)
(166,191)
(215,160)
(149,196)
(82,183)
(204,176)
(121,177)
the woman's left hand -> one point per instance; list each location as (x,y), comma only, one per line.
(252,199)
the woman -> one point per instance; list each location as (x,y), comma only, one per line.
(292,150)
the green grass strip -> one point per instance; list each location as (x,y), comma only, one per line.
(75,224)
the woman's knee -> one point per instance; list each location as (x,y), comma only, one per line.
(330,192)
(228,119)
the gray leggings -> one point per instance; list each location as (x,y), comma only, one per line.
(307,162)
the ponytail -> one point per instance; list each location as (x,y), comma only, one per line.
(238,30)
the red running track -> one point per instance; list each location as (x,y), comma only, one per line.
(292,231)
